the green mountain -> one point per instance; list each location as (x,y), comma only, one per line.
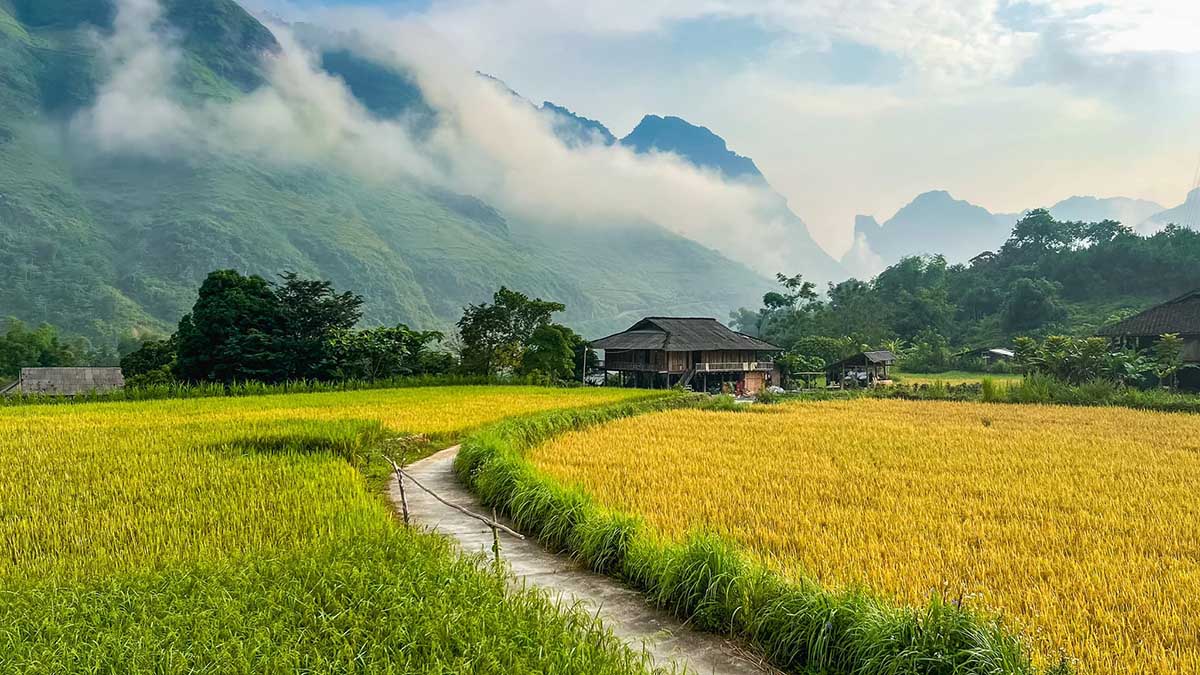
(101,244)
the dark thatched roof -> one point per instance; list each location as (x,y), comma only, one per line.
(658,333)
(864,358)
(69,381)
(1181,315)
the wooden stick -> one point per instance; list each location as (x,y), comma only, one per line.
(400,481)
(456,507)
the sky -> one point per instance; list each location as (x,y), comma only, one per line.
(856,106)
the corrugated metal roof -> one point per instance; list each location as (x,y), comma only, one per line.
(1181,315)
(682,334)
(864,358)
(69,381)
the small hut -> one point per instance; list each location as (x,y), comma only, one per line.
(1180,316)
(989,355)
(865,369)
(66,381)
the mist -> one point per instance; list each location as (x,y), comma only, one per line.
(487,142)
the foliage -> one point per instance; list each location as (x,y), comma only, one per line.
(798,625)
(153,356)
(250,541)
(496,336)
(41,347)
(1079,360)
(386,353)
(1050,278)
(550,351)
(909,481)
(234,332)
(930,353)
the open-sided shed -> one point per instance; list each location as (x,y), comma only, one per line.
(865,369)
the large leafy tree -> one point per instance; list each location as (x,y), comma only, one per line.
(494,337)
(234,332)
(312,311)
(549,352)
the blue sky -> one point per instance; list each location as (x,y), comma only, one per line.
(856,107)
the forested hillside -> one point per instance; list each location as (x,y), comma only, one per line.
(1051,277)
(104,243)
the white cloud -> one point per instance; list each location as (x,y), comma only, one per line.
(488,143)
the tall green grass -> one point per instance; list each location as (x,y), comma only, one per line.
(798,625)
(182,390)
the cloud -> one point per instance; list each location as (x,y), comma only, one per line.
(488,143)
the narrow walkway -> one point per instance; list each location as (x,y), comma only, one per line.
(623,610)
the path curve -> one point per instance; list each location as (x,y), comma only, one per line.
(623,610)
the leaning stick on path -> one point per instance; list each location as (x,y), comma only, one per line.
(400,472)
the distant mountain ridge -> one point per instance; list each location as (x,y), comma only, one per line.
(937,223)
(1186,215)
(704,149)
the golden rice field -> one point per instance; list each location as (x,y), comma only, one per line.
(233,536)
(1081,526)
(93,487)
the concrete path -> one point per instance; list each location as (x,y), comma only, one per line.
(624,611)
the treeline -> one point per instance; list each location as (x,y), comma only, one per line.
(22,346)
(248,329)
(1049,278)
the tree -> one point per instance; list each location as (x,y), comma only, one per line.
(154,356)
(42,347)
(312,311)
(494,337)
(1168,359)
(549,352)
(381,353)
(1032,304)
(233,332)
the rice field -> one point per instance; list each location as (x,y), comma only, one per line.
(241,536)
(1080,526)
(954,377)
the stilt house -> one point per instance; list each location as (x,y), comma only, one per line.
(663,352)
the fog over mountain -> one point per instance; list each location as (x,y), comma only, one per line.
(183,136)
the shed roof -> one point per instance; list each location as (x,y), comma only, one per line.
(865,358)
(682,334)
(1181,315)
(69,381)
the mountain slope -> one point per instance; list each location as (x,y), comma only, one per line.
(1131,212)
(697,144)
(702,148)
(933,223)
(1186,215)
(103,244)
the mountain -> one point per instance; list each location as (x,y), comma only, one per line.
(933,223)
(102,243)
(576,130)
(1131,212)
(704,149)
(696,144)
(1186,215)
